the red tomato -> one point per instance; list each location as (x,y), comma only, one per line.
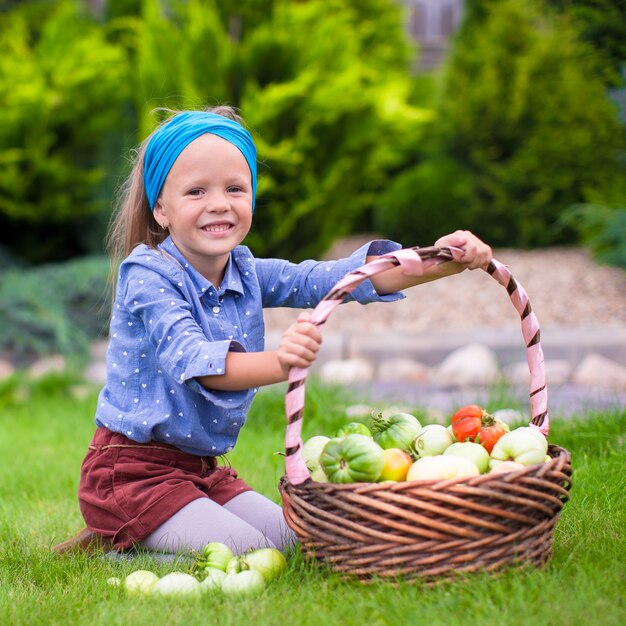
(489,434)
(473,423)
(466,422)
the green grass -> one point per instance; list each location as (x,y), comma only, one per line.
(46,428)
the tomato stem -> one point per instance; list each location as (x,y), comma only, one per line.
(487,419)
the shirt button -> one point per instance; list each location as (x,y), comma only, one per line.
(216,309)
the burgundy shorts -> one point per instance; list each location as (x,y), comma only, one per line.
(128,489)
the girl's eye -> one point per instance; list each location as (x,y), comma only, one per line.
(195,192)
(235,189)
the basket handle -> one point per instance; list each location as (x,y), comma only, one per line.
(414,261)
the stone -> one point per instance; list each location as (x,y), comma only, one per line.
(558,372)
(80,392)
(394,409)
(512,417)
(98,350)
(358,411)
(596,370)
(474,364)
(47,365)
(6,369)
(435,416)
(96,373)
(403,370)
(347,371)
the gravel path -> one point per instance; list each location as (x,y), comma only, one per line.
(565,286)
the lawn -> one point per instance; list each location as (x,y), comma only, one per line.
(45,430)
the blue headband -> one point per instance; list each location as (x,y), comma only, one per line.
(174,136)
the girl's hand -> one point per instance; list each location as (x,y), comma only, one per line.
(300,344)
(476,253)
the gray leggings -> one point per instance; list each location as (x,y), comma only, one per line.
(248,521)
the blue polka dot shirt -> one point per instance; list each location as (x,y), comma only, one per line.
(170,325)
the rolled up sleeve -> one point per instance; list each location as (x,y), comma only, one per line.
(304,285)
(365,292)
(181,348)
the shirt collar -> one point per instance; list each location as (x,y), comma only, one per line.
(232,277)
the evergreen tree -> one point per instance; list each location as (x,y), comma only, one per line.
(524,129)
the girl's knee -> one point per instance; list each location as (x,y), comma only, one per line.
(266,516)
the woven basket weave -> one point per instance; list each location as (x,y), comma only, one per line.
(427,531)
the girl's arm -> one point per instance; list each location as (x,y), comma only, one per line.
(244,370)
(476,254)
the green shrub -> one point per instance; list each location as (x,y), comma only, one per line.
(323,86)
(61,87)
(524,129)
(56,308)
(601,228)
(602,24)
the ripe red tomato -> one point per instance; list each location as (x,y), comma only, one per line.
(489,434)
(473,423)
(466,422)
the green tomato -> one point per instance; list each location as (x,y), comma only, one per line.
(213,580)
(311,450)
(501,467)
(441,467)
(216,554)
(452,433)
(245,583)
(177,584)
(524,445)
(354,428)
(140,582)
(396,431)
(318,475)
(431,441)
(236,565)
(353,458)
(472,451)
(269,562)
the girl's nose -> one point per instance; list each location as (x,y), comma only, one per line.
(218,202)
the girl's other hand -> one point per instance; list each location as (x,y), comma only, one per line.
(476,253)
(300,344)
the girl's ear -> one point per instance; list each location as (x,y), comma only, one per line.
(159,215)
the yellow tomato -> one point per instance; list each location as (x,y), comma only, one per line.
(397,463)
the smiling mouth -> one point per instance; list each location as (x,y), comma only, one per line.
(217,228)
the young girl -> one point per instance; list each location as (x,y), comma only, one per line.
(186,353)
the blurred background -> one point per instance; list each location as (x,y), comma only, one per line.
(405,118)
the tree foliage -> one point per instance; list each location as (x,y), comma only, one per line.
(323,86)
(60,86)
(54,308)
(524,129)
(519,128)
(602,24)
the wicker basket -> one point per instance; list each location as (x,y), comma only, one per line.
(427,531)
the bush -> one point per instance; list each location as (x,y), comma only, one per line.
(524,129)
(61,85)
(56,308)
(323,87)
(603,24)
(601,228)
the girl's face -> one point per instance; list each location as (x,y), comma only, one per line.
(206,203)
